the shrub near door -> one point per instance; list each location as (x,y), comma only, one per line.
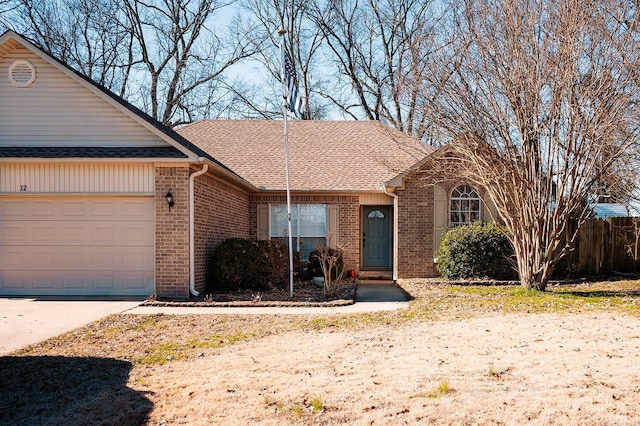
(476,250)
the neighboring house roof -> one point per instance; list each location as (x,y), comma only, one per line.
(182,148)
(605,210)
(324,155)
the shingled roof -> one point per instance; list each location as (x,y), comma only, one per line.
(90,152)
(324,155)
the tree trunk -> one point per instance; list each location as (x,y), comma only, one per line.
(534,267)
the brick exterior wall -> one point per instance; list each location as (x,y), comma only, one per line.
(348,219)
(221,212)
(172,232)
(415,229)
(416,221)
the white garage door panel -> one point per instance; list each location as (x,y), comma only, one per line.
(63,258)
(58,233)
(77,245)
(65,207)
(91,283)
(43,281)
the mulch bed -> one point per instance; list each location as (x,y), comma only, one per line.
(305,293)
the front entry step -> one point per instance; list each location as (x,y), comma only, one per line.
(376,275)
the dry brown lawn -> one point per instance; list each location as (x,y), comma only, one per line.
(458,355)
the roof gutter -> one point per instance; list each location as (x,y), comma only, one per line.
(192,261)
(241,182)
(395,229)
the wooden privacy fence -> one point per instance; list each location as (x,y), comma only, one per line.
(606,245)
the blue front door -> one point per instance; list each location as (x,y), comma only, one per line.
(376,237)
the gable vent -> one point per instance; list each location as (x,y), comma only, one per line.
(22,73)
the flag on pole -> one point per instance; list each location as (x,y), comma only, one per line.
(292,97)
(294,104)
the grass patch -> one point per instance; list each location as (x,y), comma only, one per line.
(443,389)
(149,322)
(222,340)
(296,410)
(160,354)
(446,302)
(277,405)
(319,323)
(316,404)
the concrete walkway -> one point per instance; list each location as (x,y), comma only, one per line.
(371,296)
(377,291)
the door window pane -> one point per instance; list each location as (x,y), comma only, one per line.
(375,214)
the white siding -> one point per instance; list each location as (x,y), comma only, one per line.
(76,178)
(58,111)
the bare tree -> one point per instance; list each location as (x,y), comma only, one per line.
(6,8)
(623,185)
(380,50)
(633,248)
(85,34)
(302,43)
(182,55)
(538,105)
(330,261)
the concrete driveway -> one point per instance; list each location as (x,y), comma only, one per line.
(24,321)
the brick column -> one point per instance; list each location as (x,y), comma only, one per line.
(172,232)
(415,230)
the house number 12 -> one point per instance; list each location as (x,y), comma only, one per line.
(23,188)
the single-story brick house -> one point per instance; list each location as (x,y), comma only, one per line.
(85,180)
(359,185)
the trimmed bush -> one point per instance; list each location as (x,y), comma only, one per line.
(241,264)
(277,254)
(476,250)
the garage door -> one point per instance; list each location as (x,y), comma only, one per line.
(74,245)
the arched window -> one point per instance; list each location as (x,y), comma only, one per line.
(465,206)
(375,214)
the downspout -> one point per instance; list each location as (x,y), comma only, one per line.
(395,229)
(192,260)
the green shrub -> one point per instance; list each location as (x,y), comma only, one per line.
(476,250)
(238,263)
